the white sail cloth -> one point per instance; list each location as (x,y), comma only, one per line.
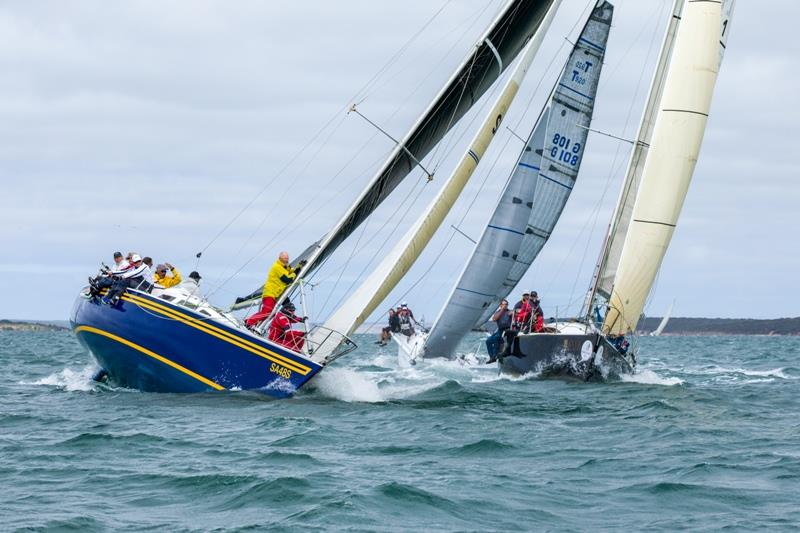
(534,196)
(675,147)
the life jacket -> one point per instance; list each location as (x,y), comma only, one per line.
(280,276)
(523,312)
(405,323)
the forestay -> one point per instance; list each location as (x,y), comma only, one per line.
(535,194)
(677,137)
(488,59)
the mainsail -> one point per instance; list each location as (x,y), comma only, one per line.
(535,194)
(354,311)
(491,55)
(677,136)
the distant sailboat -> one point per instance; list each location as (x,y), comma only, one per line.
(659,172)
(664,321)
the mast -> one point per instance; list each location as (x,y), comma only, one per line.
(612,247)
(676,140)
(535,195)
(357,308)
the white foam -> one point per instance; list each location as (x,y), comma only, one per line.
(69,379)
(648,377)
(770,373)
(347,385)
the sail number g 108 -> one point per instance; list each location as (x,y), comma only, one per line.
(565,150)
(282,371)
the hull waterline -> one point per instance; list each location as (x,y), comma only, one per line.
(152,345)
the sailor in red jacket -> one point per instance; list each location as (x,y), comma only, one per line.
(538,314)
(280,329)
(522,313)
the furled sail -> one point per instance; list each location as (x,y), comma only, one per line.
(491,55)
(534,196)
(606,267)
(365,299)
(677,136)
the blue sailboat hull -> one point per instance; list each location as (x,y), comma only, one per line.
(150,344)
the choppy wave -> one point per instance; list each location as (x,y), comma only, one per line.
(703,436)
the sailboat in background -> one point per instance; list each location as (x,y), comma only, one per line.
(533,199)
(658,176)
(175,342)
(664,321)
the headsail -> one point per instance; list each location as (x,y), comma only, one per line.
(677,137)
(535,194)
(354,311)
(489,58)
(607,263)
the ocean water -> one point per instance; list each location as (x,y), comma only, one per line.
(706,436)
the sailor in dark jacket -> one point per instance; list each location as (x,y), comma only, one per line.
(503,317)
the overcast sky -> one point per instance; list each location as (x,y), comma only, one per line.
(148,126)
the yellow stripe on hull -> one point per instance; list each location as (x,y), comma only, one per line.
(218,333)
(152,354)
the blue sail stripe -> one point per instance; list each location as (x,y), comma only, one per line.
(505,229)
(590,43)
(526,165)
(475,292)
(577,92)
(556,181)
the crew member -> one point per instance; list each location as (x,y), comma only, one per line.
(280,276)
(167,276)
(537,323)
(406,321)
(393,327)
(522,313)
(135,277)
(191,284)
(280,329)
(503,317)
(105,279)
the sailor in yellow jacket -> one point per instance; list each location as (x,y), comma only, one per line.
(280,276)
(166,276)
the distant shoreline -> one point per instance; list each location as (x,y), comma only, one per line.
(29,325)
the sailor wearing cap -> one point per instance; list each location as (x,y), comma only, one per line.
(135,277)
(280,329)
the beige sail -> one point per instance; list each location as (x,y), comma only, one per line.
(608,262)
(675,146)
(355,310)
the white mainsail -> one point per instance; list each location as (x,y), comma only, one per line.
(355,310)
(677,136)
(534,196)
(664,321)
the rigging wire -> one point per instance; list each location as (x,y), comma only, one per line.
(319,132)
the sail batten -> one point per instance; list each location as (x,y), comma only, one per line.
(534,196)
